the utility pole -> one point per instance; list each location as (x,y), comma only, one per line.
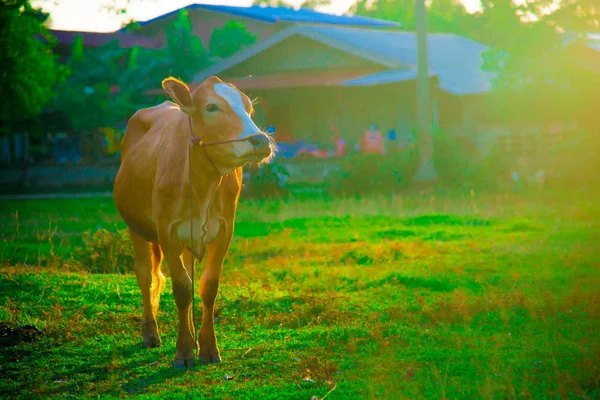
(426,171)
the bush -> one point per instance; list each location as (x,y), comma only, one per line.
(106,252)
(460,163)
(574,160)
(367,173)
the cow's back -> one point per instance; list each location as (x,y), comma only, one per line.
(135,179)
(142,122)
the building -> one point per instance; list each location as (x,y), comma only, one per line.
(205,18)
(310,78)
(315,73)
(260,21)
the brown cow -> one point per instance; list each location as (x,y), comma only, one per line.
(152,194)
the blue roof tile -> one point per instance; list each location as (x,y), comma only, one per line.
(277,14)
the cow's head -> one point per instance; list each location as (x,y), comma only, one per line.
(220,112)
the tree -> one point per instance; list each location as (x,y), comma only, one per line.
(534,52)
(108,83)
(523,30)
(29,70)
(185,52)
(532,48)
(117,7)
(105,86)
(310,4)
(271,3)
(448,16)
(495,22)
(229,39)
(402,11)
(314,4)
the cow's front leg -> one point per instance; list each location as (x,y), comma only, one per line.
(209,287)
(182,291)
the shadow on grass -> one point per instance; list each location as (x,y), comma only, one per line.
(138,386)
(53,363)
(443,219)
(25,367)
(395,279)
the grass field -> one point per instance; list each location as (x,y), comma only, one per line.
(431,295)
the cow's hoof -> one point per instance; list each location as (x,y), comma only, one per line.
(150,334)
(209,357)
(183,362)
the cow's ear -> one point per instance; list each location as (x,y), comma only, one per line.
(180,93)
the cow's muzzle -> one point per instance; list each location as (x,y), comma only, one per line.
(260,141)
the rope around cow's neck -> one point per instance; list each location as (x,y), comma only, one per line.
(199,142)
(192,245)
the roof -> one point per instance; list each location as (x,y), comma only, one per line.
(95,39)
(300,79)
(286,80)
(284,14)
(384,77)
(455,60)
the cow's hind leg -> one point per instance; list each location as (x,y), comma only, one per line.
(151,281)
(182,291)
(209,287)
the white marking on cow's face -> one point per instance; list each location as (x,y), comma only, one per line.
(234,98)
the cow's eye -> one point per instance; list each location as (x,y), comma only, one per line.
(212,108)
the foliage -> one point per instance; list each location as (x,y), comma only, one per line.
(185,53)
(104,87)
(529,24)
(568,161)
(367,173)
(314,4)
(355,173)
(462,164)
(444,16)
(527,39)
(438,295)
(537,55)
(402,11)
(28,68)
(108,78)
(117,7)
(106,252)
(271,3)
(572,160)
(526,57)
(229,39)
(112,81)
(311,4)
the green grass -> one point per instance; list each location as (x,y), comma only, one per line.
(427,295)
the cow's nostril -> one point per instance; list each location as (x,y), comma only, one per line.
(259,140)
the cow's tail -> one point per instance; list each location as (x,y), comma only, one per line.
(158,279)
